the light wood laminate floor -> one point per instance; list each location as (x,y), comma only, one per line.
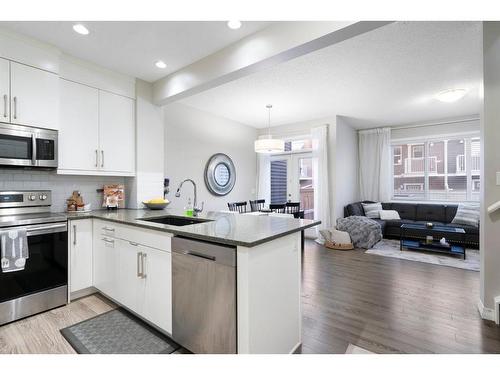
(381,304)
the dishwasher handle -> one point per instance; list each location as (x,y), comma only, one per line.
(218,253)
(204,256)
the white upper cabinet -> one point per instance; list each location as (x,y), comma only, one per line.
(34,95)
(4,91)
(79,130)
(116,133)
(97,134)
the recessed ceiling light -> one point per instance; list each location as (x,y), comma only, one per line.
(80,29)
(451,95)
(234,25)
(160,64)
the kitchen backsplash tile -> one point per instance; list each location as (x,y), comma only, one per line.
(61,185)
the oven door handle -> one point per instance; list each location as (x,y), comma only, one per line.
(34,230)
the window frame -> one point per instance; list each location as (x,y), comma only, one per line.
(400,162)
(425,142)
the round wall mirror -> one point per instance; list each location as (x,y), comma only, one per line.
(220,174)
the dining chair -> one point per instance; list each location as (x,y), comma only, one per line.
(257,205)
(279,208)
(292,207)
(240,207)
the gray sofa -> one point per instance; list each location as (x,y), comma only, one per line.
(439,214)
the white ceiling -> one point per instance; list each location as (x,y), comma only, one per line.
(386,77)
(132,47)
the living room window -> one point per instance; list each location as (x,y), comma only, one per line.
(446,169)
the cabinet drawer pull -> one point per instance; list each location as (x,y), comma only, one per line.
(143,256)
(108,240)
(139,261)
(133,243)
(107,229)
(5,99)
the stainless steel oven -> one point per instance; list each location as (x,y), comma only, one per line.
(42,285)
(25,146)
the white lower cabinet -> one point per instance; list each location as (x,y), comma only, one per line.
(80,254)
(138,277)
(105,264)
(157,305)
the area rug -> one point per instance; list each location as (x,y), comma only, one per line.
(354,349)
(390,248)
(117,332)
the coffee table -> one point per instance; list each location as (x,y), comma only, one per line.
(413,237)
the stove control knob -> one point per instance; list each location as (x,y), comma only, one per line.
(42,197)
(32,197)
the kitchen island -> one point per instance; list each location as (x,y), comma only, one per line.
(266,276)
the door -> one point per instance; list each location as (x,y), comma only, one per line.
(105,261)
(4,91)
(34,97)
(79,127)
(116,133)
(292,181)
(80,244)
(157,306)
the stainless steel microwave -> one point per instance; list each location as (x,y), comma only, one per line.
(25,146)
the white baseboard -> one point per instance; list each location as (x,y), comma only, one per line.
(486,313)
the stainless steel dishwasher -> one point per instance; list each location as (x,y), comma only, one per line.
(204,296)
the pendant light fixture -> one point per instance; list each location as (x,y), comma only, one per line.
(266,144)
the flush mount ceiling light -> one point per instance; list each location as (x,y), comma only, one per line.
(160,64)
(451,95)
(80,29)
(234,25)
(267,144)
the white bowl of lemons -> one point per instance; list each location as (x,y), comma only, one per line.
(156,203)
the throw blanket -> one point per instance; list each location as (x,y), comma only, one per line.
(364,232)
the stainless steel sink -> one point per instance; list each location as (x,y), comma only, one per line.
(178,221)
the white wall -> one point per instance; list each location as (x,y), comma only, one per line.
(150,149)
(490,156)
(346,167)
(191,137)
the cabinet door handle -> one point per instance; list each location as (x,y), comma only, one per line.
(5,105)
(96,158)
(15,107)
(143,256)
(74,235)
(102,158)
(139,260)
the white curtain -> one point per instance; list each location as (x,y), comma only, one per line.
(264,177)
(320,174)
(375,164)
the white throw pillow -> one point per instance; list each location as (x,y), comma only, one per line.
(467,214)
(389,215)
(372,210)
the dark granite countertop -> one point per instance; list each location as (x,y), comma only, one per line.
(224,227)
